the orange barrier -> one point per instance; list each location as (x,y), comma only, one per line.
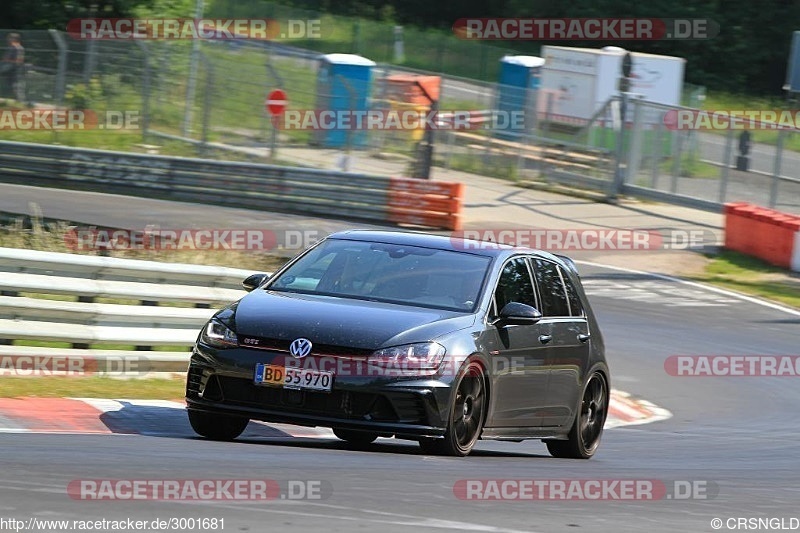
(764,233)
(425,203)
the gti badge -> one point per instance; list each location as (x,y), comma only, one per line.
(300,347)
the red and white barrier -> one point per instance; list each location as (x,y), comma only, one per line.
(764,233)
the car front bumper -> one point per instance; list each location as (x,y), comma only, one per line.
(222,382)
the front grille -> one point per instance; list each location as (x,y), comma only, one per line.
(406,408)
(194,379)
(281,345)
(409,407)
(341,404)
(212,390)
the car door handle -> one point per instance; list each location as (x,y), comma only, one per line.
(583,337)
(544,339)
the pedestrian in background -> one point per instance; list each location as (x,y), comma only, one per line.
(12,68)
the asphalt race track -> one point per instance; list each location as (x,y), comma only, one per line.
(737,434)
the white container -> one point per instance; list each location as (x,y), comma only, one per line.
(582,80)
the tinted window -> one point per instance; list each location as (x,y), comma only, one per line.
(515,285)
(393,273)
(554,296)
(575,307)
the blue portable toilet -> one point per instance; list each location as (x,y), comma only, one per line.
(344,82)
(518,74)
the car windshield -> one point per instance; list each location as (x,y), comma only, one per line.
(383,272)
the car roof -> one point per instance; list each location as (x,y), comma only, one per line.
(445,242)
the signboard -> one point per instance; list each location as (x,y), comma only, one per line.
(276,102)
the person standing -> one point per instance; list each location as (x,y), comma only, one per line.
(13,64)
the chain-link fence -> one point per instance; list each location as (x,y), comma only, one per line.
(212,94)
(80,74)
(711,157)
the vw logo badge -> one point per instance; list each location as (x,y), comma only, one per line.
(300,347)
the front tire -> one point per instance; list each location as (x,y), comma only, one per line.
(587,428)
(215,426)
(467,415)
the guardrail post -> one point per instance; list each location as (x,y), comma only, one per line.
(548,112)
(207,103)
(726,165)
(90,61)
(776,172)
(146,89)
(61,73)
(192,82)
(676,163)
(619,173)
(637,133)
(658,141)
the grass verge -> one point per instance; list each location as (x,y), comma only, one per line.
(34,233)
(91,387)
(745,274)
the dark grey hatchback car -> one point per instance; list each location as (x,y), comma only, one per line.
(423,337)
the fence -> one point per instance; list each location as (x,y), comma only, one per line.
(247,185)
(666,161)
(647,155)
(102,335)
(214,99)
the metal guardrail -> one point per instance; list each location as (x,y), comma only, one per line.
(246,185)
(27,277)
(116,268)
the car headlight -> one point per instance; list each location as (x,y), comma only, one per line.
(420,356)
(218,335)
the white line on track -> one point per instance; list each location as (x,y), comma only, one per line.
(751,299)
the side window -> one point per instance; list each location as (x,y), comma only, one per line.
(575,307)
(515,285)
(554,296)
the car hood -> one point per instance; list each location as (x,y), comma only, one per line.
(340,321)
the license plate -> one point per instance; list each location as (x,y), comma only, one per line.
(293,378)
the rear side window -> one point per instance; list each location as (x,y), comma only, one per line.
(575,306)
(515,285)
(554,295)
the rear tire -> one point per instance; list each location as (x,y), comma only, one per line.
(356,438)
(587,428)
(467,415)
(215,426)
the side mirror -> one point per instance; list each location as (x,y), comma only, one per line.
(254,281)
(515,313)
